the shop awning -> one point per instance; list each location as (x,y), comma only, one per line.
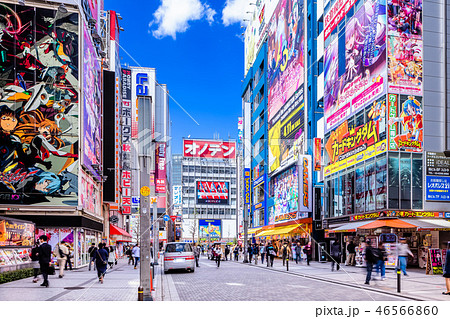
(279,230)
(253,230)
(119,233)
(350,227)
(430,224)
(392,223)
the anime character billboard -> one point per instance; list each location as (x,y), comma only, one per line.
(285,54)
(355,66)
(38,106)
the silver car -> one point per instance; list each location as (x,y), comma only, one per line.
(179,255)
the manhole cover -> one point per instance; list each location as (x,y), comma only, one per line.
(73,288)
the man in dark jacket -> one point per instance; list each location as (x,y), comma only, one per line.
(351,254)
(271,252)
(91,252)
(308,252)
(45,255)
(335,255)
(370,260)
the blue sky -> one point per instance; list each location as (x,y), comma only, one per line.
(197,51)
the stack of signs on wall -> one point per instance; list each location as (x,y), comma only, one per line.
(437,177)
(434,262)
(126,142)
(160,168)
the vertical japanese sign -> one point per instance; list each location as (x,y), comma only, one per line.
(305,184)
(240,129)
(246,186)
(317,154)
(160,177)
(126,177)
(392,113)
(209,149)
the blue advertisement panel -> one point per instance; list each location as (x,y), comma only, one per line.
(438,188)
(211,228)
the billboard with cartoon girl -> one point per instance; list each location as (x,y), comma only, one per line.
(355,64)
(38,106)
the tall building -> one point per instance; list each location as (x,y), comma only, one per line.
(209,190)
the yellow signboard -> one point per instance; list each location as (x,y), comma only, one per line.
(145,190)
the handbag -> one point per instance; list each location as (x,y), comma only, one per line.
(104,262)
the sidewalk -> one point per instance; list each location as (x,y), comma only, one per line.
(417,285)
(121,284)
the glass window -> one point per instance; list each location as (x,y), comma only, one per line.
(215,170)
(227,170)
(405,181)
(393,175)
(185,169)
(359,189)
(417,180)
(221,170)
(198,169)
(349,202)
(370,186)
(381,169)
(210,170)
(191,169)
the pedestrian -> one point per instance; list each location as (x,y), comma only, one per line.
(44,254)
(69,256)
(219,254)
(61,253)
(256,253)
(227,251)
(130,255)
(203,250)
(381,258)
(262,252)
(335,255)
(298,253)
(403,252)
(294,254)
(136,253)
(285,252)
(250,253)
(91,252)
(196,255)
(35,261)
(111,257)
(101,261)
(351,254)
(447,272)
(370,260)
(236,253)
(271,253)
(308,252)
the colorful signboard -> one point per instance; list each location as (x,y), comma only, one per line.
(437,164)
(317,154)
(285,54)
(39,109)
(15,232)
(92,139)
(335,15)
(177,193)
(89,195)
(285,195)
(160,168)
(405,123)
(246,186)
(305,183)
(126,128)
(213,192)
(209,149)
(355,66)
(210,228)
(287,134)
(438,188)
(400,214)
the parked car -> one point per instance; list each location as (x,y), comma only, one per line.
(179,255)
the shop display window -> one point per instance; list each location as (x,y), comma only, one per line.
(417,178)
(370,186)
(393,175)
(349,202)
(359,189)
(405,181)
(381,178)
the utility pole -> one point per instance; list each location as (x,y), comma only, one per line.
(145,162)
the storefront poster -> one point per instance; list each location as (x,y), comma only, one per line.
(317,154)
(437,164)
(355,69)
(286,191)
(438,188)
(405,123)
(335,15)
(39,107)
(16,233)
(405,18)
(89,195)
(405,68)
(285,45)
(435,259)
(210,228)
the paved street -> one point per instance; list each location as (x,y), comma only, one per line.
(233,281)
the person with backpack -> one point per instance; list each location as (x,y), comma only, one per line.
(61,253)
(91,252)
(271,253)
(335,255)
(380,254)
(285,252)
(370,260)
(262,252)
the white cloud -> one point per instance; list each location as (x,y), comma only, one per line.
(173,16)
(235,11)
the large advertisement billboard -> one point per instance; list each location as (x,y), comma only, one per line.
(355,64)
(92,145)
(213,192)
(287,133)
(285,191)
(39,107)
(209,149)
(210,228)
(285,54)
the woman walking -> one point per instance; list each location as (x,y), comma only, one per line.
(112,257)
(447,272)
(101,261)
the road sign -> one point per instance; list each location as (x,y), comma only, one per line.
(153,200)
(166,218)
(145,190)
(173,218)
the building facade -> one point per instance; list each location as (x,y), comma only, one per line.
(209,190)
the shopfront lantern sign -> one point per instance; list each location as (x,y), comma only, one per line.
(246,186)
(305,183)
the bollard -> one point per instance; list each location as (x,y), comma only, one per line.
(287,264)
(151,280)
(140,294)
(398,281)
